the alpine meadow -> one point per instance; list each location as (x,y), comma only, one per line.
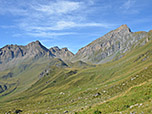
(110,74)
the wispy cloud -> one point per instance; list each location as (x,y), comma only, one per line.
(59,7)
(129,7)
(49,34)
(12,7)
(44,34)
(128,4)
(41,18)
(61,25)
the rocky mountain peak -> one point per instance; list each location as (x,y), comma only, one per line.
(33,50)
(106,47)
(33,46)
(63,53)
(123,28)
(9,46)
(55,49)
(65,49)
(35,43)
(9,52)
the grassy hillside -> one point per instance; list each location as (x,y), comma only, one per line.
(122,85)
(136,99)
(23,76)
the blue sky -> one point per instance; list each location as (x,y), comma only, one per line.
(69,23)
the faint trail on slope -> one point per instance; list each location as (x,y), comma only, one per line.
(120,95)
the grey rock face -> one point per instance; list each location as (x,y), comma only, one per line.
(63,53)
(34,49)
(13,54)
(37,50)
(106,47)
(9,52)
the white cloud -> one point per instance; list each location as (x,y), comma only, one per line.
(41,18)
(11,7)
(129,7)
(64,24)
(59,7)
(128,4)
(61,25)
(49,34)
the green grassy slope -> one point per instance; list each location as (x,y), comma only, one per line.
(137,98)
(21,79)
(125,83)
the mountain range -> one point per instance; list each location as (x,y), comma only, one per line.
(99,72)
(115,42)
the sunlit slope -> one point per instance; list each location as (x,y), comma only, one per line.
(76,89)
(136,99)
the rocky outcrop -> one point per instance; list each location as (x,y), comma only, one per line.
(108,46)
(63,53)
(32,50)
(36,49)
(3,88)
(13,54)
(10,52)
